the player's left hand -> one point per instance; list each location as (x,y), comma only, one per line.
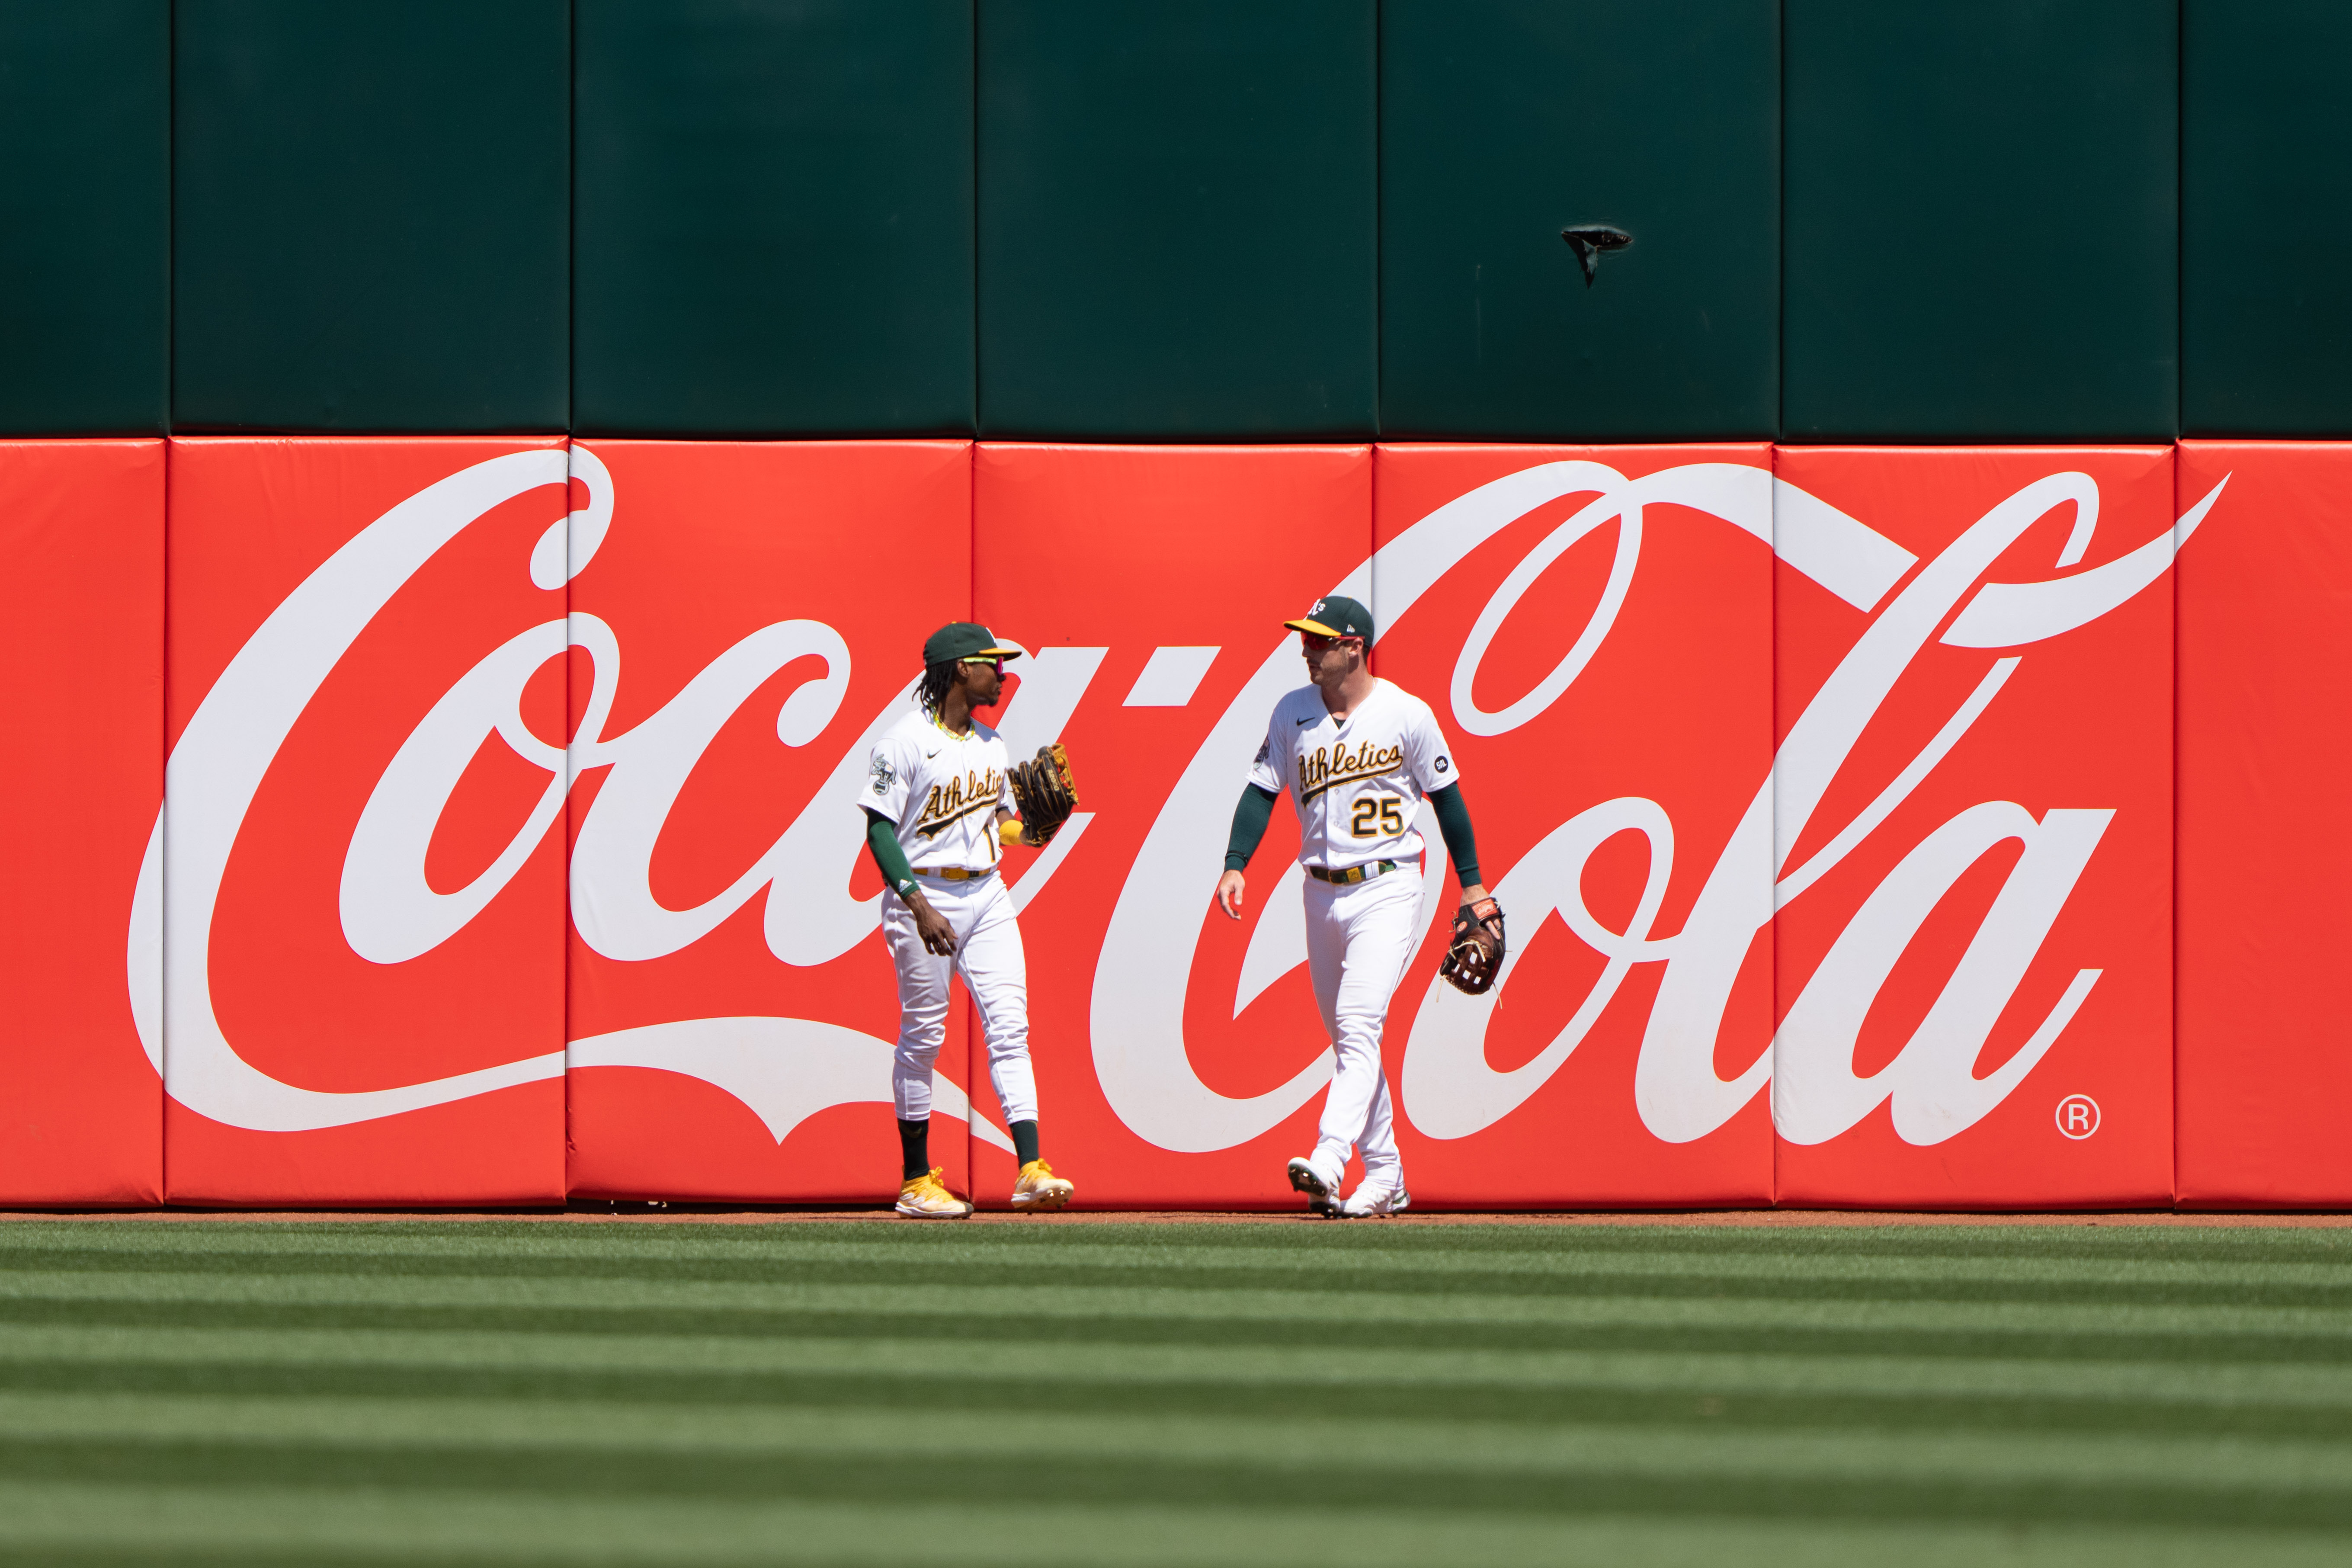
(1474,958)
(1044,792)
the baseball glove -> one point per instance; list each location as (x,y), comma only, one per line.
(1045,794)
(1475,955)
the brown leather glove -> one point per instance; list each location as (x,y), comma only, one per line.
(1476,956)
(1045,794)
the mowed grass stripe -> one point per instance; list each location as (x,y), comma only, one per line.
(1630,1402)
(844,1252)
(1366,1338)
(1133,1367)
(1608,1484)
(1821,1280)
(83,1525)
(1564,1449)
(2083,1251)
(1045,1299)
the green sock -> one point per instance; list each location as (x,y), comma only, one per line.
(1025,1140)
(915,1147)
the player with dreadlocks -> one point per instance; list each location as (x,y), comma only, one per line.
(940,805)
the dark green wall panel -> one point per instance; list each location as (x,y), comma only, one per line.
(85,216)
(774,222)
(2266,224)
(1503,122)
(371,215)
(1177,219)
(1980,220)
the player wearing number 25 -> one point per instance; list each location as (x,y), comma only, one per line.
(1358,755)
(938,806)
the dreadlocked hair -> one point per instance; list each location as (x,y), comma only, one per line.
(936,678)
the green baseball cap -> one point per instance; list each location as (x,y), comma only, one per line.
(1333,616)
(964,639)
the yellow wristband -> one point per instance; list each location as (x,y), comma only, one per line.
(1008,832)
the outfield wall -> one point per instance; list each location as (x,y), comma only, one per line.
(1878,827)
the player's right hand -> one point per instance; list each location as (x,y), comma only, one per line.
(932,926)
(1230,888)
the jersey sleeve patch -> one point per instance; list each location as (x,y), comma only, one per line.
(1427,757)
(1266,768)
(888,772)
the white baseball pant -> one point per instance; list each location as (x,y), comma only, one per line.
(989,956)
(1359,939)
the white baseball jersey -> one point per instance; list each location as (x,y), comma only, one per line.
(941,789)
(1356,784)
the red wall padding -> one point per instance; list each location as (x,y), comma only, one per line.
(2266,843)
(1959,678)
(81,637)
(1594,626)
(753,619)
(2000,940)
(365,698)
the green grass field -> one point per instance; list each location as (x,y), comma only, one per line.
(1285,1395)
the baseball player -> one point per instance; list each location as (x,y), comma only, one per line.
(940,807)
(1358,755)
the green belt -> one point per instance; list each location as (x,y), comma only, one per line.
(1360,874)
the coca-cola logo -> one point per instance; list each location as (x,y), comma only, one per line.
(786,1067)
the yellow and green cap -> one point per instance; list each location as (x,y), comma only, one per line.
(964,639)
(1334,617)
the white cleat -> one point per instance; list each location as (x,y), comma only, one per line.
(1322,1197)
(1376,1200)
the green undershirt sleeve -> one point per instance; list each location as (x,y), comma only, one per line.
(1454,826)
(1250,818)
(882,841)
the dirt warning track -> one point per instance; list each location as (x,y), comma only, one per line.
(643,1213)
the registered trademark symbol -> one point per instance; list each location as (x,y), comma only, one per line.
(2078,1116)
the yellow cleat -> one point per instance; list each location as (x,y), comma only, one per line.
(925,1198)
(1039,1188)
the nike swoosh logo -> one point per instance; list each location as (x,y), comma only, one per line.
(1307,721)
